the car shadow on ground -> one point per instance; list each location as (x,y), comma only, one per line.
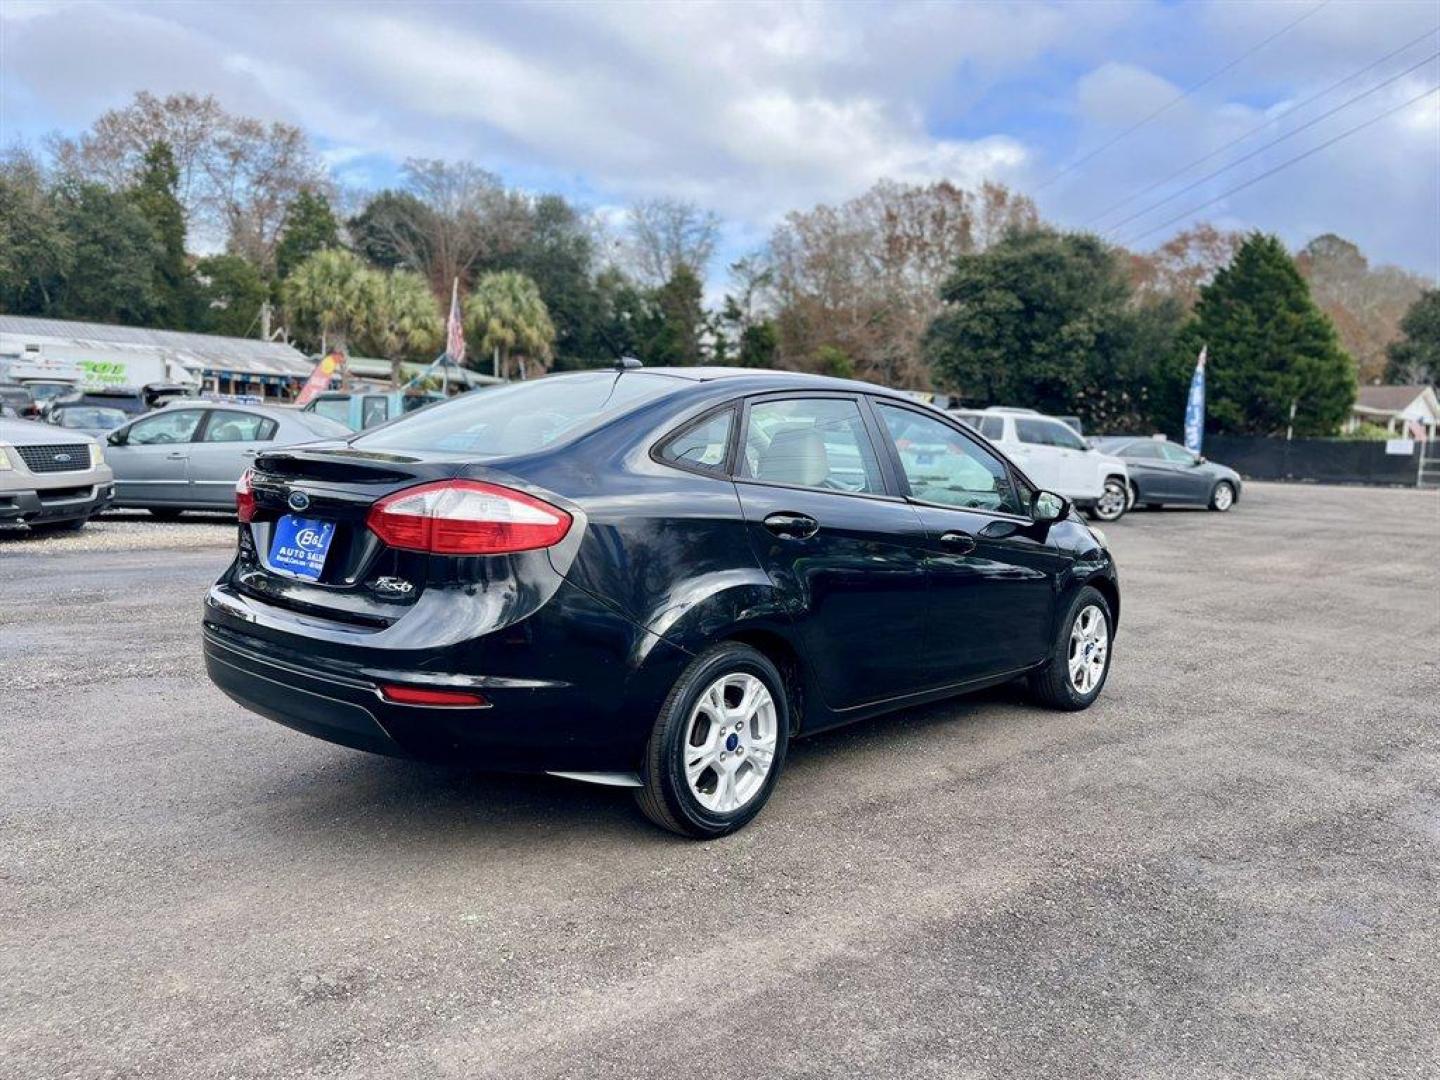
(420,802)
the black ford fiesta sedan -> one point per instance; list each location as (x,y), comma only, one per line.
(652,578)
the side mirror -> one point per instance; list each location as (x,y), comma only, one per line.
(1049,507)
(1201,459)
(116,438)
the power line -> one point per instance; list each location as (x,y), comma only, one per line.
(1282,166)
(1259,128)
(1261,149)
(1180,97)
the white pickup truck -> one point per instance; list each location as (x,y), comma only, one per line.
(1053,454)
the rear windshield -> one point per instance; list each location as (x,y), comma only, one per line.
(323,425)
(518,418)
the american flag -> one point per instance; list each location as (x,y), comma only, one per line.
(454,332)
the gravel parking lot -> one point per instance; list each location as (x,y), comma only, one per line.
(1229,867)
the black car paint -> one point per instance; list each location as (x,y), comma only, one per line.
(576,647)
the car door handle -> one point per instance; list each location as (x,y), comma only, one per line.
(176,457)
(962,543)
(792,526)
(248,453)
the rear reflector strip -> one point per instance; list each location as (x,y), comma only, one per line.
(414,695)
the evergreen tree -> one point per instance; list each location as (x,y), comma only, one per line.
(1269,349)
(36,254)
(1415,358)
(309,227)
(675,337)
(230,294)
(154,195)
(115,250)
(1035,320)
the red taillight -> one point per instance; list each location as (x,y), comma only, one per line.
(414,695)
(244,498)
(466,517)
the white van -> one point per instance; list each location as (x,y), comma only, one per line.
(1053,454)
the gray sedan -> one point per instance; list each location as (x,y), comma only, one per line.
(1162,473)
(188,455)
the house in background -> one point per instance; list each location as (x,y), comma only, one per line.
(1409,412)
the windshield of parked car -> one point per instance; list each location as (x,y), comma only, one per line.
(518,418)
(88,416)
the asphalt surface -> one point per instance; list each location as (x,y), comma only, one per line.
(1230,866)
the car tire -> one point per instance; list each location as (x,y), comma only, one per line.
(166,513)
(693,780)
(1113,501)
(1222,498)
(1132,495)
(1062,683)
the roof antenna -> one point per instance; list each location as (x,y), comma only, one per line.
(627,363)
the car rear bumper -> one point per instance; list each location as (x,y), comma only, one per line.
(55,503)
(526,725)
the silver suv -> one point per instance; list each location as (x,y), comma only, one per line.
(51,477)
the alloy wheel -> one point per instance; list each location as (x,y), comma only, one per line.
(1089,647)
(730,742)
(1112,502)
(1224,497)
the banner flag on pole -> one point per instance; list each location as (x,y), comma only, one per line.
(320,378)
(1195,406)
(454,331)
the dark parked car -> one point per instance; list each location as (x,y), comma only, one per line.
(650,578)
(1163,473)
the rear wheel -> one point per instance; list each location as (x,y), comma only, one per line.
(1223,497)
(1113,501)
(1080,659)
(718,745)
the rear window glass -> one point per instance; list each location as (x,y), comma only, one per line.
(323,425)
(519,418)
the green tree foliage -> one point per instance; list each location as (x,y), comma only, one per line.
(1415,357)
(674,337)
(558,254)
(111,277)
(404,320)
(230,292)
(330,298)
(36,254)
(391,231)
(1040,320)
(154,195)
(759,345)
(506,313)
(1269,347)
(832,360)
(310,226)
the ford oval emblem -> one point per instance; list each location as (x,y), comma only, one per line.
(62,457)
(298,500)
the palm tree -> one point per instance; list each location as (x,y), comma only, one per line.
(508,317)
(405,319)
(334,292)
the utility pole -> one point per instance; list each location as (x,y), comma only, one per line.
(265,320)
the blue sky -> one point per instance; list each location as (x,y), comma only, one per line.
(754,110)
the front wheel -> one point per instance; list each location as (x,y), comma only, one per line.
(718,745)
(1223,497)
(1080,659)
(1113,501)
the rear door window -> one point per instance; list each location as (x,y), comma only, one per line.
(228,426)
(375,409)
(813,443)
